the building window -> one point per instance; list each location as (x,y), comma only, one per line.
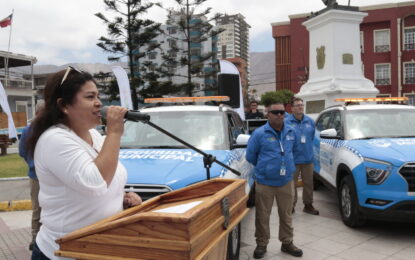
(382,74)
(195,52)
(409,39)
(361,43)
(172,30)
(382,40)
(152,55)
(152,66)
(172,43)
(172,53)
(409,73)
(21,106)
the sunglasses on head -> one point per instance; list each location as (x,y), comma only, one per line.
(68,70)
(277,112)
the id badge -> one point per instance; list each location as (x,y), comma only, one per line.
(282,170)
(303,139)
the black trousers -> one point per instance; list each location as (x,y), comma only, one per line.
(37,254)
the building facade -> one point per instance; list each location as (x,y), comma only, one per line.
(19,87)
(174,39)
(387,40)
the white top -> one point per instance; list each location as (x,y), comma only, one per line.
(72,193)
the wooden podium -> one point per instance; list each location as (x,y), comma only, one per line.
(190,223)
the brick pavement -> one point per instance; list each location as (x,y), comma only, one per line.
(15,235)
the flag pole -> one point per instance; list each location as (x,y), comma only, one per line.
(10,34)
(6,67)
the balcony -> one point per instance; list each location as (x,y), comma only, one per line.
(16,83)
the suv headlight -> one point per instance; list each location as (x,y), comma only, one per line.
(377,175)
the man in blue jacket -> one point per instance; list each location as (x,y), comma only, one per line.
(270,150)
(303,156)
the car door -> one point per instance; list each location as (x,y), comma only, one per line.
(238,161)
(321,146)
(327,147)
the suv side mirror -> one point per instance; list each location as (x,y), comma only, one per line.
(241,141)
(329,134)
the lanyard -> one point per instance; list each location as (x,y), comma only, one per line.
(281,147)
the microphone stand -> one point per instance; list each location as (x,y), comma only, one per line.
(208,159)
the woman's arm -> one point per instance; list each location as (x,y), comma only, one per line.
(107,159)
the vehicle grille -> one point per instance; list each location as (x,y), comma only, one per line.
(147,191)
(408,172)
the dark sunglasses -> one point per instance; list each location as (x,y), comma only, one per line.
(68,70)
(277,112)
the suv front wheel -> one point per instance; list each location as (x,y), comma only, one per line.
(349,207)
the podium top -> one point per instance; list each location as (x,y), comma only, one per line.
(180,206)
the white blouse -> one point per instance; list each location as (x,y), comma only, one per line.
(72,193)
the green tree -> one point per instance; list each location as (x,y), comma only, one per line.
(154,87)
(107,85)
(284,96)
(129,36)
(193,29)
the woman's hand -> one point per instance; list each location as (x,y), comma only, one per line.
(115,119)
(131,199)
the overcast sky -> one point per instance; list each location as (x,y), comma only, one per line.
(59,32)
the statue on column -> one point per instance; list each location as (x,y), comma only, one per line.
(330,3)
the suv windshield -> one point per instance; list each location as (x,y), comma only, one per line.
(361,124)
(203,129)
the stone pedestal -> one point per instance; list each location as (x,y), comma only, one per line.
(335,61)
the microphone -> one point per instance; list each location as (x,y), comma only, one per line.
(130,115)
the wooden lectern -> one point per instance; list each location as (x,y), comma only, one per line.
(190,223)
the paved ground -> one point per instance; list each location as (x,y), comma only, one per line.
(320,237)
(15,235)
(326,237)
(14,189)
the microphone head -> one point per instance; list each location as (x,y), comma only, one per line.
(104,111)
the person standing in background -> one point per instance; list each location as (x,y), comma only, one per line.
(34,182)
(303,156)
(254,113)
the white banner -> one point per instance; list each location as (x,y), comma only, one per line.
(227,67)
(6,108)
(124,86)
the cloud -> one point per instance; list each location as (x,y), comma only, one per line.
(58,32)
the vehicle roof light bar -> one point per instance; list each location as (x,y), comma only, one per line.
(383,99)
(186,99)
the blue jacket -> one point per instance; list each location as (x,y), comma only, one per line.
(303,154)
(23,152)
(264,151)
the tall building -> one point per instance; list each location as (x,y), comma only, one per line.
(233,42)
(387,39)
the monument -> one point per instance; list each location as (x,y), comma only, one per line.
(335,58)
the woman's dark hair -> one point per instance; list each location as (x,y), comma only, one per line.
(57,94)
